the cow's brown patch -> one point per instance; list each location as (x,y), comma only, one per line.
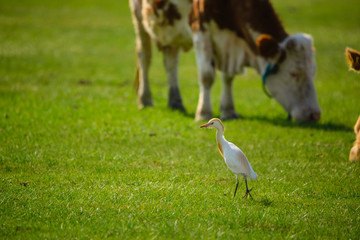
(238,16)
(194,17)
(157,5)
(267,46)
(353,59)
(171,12)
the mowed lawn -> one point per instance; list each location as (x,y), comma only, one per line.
(78,160)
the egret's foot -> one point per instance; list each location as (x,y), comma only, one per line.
(248,193)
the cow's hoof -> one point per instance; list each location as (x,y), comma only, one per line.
(144,104)
(175,101)
(177,106)
(145,101)
(204,116)
(230,115)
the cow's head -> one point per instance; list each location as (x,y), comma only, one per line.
(290,73)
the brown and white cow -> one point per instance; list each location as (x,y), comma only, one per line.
(228,35)
(353,60)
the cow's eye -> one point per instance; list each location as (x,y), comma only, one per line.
(294,74)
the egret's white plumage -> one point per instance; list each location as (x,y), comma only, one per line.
(234,158)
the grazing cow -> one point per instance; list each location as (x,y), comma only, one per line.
(355,150)
(353,59)
(228,35)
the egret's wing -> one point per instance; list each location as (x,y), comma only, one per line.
(236,160)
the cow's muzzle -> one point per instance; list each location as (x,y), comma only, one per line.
(308,116)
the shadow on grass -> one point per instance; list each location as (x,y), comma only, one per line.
(283,122)
(264,201)
(328,126)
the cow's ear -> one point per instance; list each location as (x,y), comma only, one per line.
(267,46)
(353,59)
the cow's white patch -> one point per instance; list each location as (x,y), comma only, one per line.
(231,53)
(179,34)
(206,73)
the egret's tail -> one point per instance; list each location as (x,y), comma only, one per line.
(254,175)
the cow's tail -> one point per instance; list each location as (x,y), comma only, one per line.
(137,76)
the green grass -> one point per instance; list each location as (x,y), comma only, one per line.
(78,160)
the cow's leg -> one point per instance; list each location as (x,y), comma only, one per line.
(143,52)
(206,74)
(227,103)
(171,61)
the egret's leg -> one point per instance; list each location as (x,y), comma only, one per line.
(237,183)
(247,190)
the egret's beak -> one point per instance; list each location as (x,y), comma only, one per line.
(205,125)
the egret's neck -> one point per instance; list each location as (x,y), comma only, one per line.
(220,136)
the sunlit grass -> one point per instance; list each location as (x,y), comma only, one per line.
(79,160)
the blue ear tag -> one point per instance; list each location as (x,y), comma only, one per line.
(269,68)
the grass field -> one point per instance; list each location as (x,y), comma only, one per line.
(79,161)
